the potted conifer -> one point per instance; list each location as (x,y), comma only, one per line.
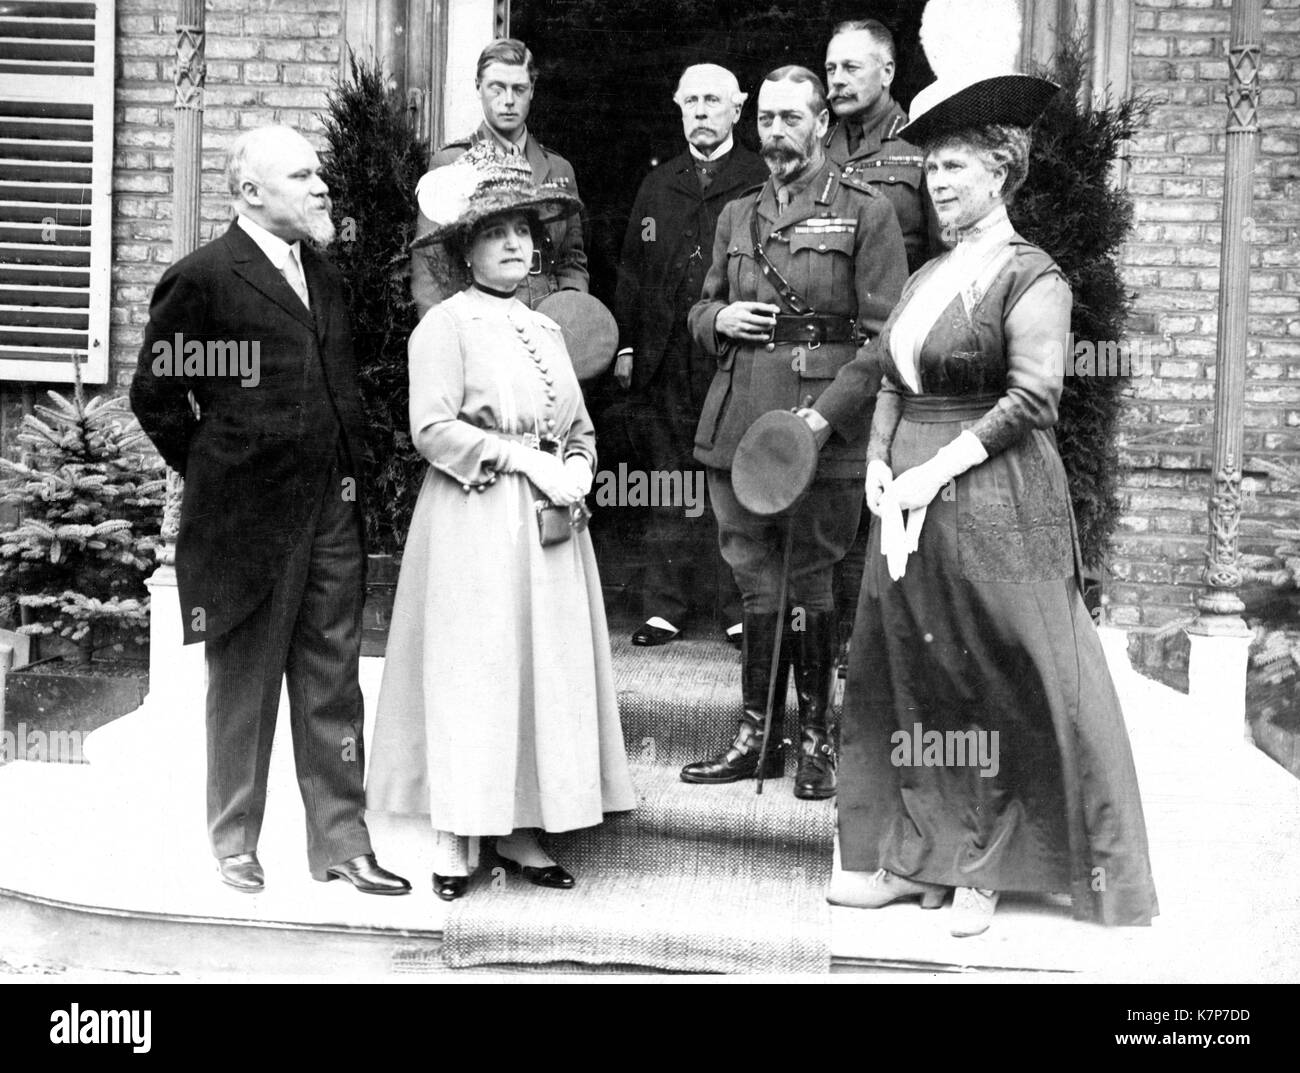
(89,495)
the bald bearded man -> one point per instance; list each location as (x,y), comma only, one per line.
(270,555)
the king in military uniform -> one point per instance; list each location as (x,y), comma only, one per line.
(864,141)
(506,79)
(805,270)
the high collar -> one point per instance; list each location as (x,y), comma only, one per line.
(874,117)
(995,226)
(492,300)
(519,145)
(276,249)
(722,150)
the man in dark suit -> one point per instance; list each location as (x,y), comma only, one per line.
(666,255)
(806,268)
(506,79)
(246,386)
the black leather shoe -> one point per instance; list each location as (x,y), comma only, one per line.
(648,636)
(365,874)
(550,876)
(244,872)
(449,888)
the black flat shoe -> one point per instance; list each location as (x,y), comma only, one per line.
(449,888)
(551,876)
(242,871)
(367,876)
(648,636)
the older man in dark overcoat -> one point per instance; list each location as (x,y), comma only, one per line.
(666,253)
(246,385)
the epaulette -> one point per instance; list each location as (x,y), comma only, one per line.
(855,182)
(754,189)
(460,143)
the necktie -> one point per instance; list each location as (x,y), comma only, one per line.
(854,132)
(293,273)
(705,172)
(782,199)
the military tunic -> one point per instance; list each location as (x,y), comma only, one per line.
(837,244)
(896,169)
(563,259)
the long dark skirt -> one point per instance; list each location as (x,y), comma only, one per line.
(987,632)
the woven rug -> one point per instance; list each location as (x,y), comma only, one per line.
(697,879)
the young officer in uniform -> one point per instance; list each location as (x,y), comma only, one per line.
(506,80)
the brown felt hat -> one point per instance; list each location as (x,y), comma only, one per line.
(590,330)
(775,464)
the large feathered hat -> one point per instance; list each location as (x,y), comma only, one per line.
(973,47)
(483,183)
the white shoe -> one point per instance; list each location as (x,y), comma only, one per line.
(972,911)
(858,890)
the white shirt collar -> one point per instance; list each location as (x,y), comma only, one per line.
(721,150)
(275,248)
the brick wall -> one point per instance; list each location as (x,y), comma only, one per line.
(268,61)
(1179,57)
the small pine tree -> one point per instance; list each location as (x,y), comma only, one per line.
(90,497)
(373,162)
(1070,207)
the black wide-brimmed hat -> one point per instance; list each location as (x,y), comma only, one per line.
(485,183)
(973,47)
(775,464)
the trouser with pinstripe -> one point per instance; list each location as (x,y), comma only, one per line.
(308,630)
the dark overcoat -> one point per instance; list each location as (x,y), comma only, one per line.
(672,222)
(256,457)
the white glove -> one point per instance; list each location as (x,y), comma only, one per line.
(548,473)
(918,486)
(580,469)
(879,478)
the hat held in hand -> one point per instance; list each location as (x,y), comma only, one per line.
(973,47)
(775,464)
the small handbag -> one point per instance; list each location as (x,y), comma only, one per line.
(553,523)
(556,524)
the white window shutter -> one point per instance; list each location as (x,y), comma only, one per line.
(56,204)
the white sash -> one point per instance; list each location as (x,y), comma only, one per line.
(969,269)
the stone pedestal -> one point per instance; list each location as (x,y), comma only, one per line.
(169,726)
(1216,674)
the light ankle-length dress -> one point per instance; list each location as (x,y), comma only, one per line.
(497,709)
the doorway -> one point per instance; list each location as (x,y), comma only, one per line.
(606,75)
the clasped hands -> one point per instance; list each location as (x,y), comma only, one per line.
(562,482)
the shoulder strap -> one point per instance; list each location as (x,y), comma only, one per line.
(788,294)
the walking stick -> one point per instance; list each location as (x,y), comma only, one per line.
(776,652)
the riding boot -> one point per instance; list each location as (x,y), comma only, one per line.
(740,759)
(814,677)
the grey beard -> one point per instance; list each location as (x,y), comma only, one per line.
(320,232)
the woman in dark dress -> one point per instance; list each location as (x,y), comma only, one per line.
(983,746)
